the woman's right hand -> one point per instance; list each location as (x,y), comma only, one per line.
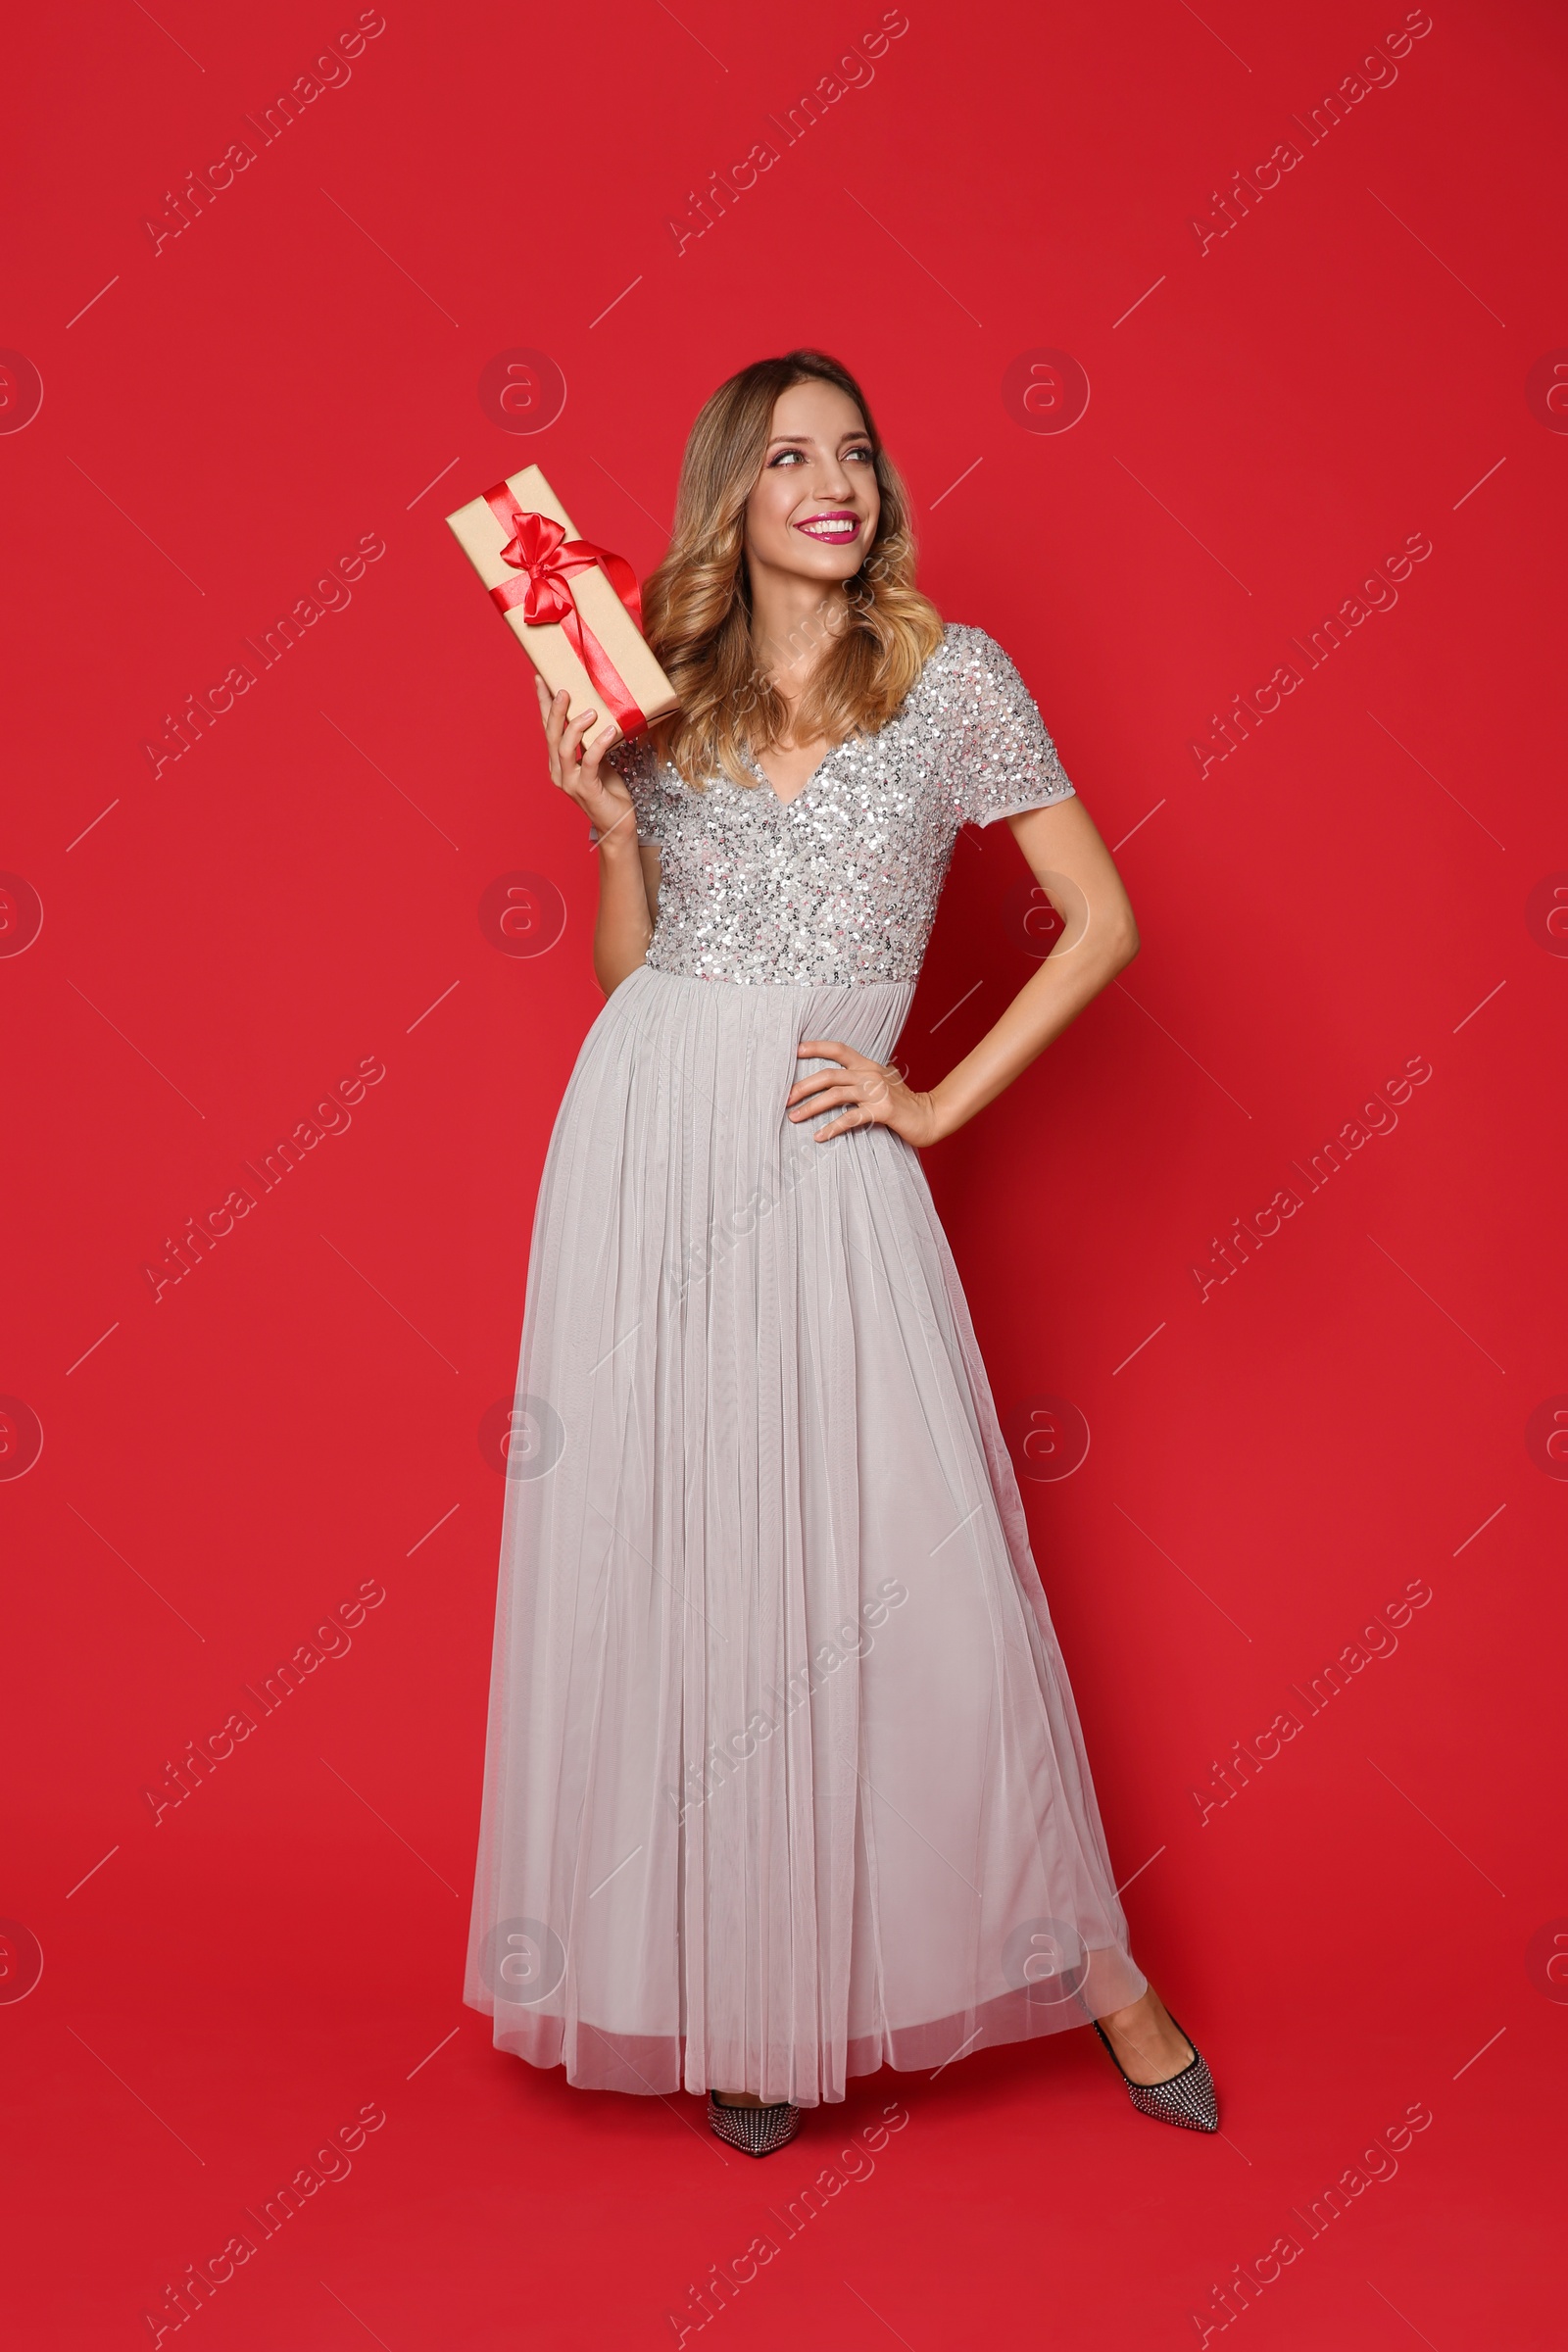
(585,776)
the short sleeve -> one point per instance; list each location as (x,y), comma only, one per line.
(1004,759)
(646,778)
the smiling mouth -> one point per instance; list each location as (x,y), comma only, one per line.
(834,529)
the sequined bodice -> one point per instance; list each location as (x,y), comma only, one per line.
(840,884)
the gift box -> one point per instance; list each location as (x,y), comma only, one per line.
(575,607)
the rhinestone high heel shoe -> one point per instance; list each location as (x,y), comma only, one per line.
(1187,2099)
(755,2130)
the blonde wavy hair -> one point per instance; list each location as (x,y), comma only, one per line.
(698,606)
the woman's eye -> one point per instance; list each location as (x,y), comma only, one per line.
(864,451)
(785,455)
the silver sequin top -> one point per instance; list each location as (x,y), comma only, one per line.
(840,884)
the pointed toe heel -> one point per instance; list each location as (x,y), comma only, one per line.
(1186,2100)
(755,2130)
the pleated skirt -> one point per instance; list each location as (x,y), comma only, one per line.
(784,1780)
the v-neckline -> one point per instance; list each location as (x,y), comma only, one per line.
(760,773)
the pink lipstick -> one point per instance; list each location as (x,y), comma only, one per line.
(835,528)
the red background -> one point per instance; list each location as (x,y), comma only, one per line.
(229,415)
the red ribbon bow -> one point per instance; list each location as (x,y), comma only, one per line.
(539,549)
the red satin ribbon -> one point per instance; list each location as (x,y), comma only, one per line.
(547,558)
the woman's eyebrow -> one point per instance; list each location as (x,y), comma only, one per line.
(808,440)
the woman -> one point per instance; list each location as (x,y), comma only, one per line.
(784,1779)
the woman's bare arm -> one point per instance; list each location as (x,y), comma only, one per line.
(1074,868)
(628,874)
(628,906)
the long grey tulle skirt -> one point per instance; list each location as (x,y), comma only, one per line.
(784,1780)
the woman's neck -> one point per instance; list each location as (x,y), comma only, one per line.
(793,621)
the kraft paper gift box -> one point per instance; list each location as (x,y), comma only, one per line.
(583,637)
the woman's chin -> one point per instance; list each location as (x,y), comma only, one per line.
(830,567)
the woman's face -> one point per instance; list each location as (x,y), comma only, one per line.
(815,509)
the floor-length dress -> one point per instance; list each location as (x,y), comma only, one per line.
(784,1780)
